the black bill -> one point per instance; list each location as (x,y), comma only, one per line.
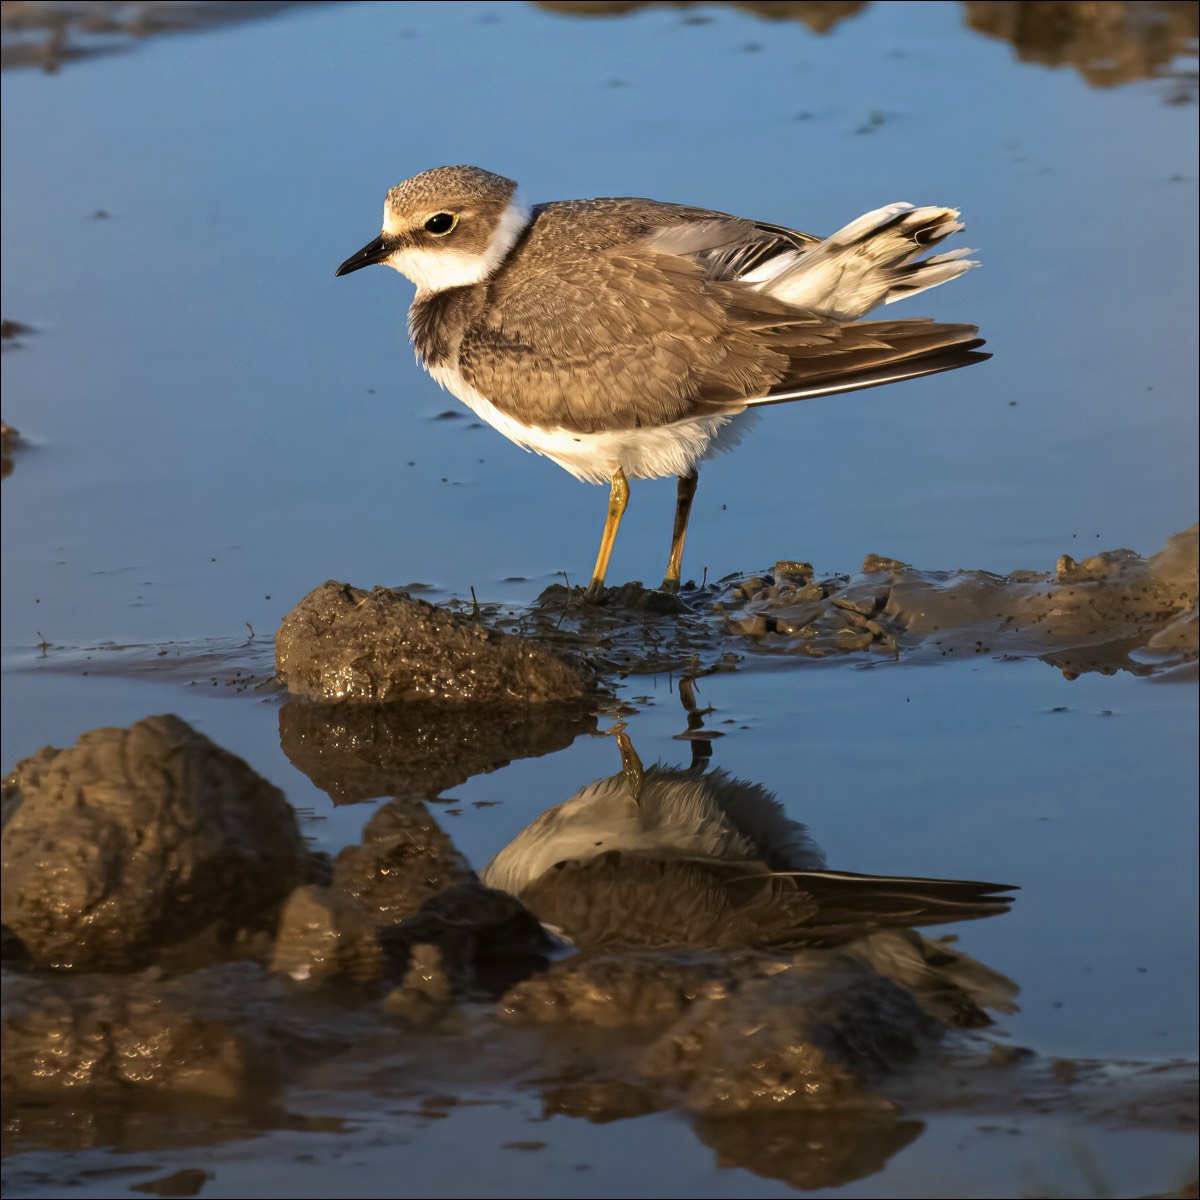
(371,253)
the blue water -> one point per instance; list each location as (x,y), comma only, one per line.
(216,425)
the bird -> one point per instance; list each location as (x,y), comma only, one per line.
(626,338)
(687,858)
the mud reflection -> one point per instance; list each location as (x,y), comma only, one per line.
(49,33)
(799,1022)
(826,1150)
(1108,44)
(1117,42)
(359,752)
(819,15)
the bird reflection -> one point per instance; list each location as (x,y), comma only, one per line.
(689,857)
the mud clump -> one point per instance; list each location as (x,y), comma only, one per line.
(804,1038)
(343,643)
(403,860)
(1112,611)
(615,990)
(325,934)
(485,940)
(136,841)
(733,1034)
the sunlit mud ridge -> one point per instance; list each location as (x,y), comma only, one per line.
(250,963)
(1112,611)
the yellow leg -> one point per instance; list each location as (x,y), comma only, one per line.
(683,510)
(618,501)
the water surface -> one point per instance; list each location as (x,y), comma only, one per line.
(213,425)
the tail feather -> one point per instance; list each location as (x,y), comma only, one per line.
(872,261)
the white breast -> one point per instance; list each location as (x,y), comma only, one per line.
(644,453)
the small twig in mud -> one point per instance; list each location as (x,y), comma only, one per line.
(42,645)
(704,578)
(251,637)
(567,607)
(474,606)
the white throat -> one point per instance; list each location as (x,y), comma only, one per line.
(436,270)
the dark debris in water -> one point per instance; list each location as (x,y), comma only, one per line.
(10,440)
(9,330)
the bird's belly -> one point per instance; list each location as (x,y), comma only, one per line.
(647,452)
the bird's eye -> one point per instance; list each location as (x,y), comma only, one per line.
(440,224)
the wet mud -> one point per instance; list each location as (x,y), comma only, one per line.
(392,694)
(1111,611)
(139,841)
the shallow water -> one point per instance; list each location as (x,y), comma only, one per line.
(212,425)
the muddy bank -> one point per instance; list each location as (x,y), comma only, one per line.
(396,695)
(1112,611)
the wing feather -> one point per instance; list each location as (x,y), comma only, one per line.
(657,328)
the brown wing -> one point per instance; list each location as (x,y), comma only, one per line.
(653,330)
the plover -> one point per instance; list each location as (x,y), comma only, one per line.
(682,858)
(630,339)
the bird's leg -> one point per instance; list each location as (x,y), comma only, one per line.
(618,501)
(683,509)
